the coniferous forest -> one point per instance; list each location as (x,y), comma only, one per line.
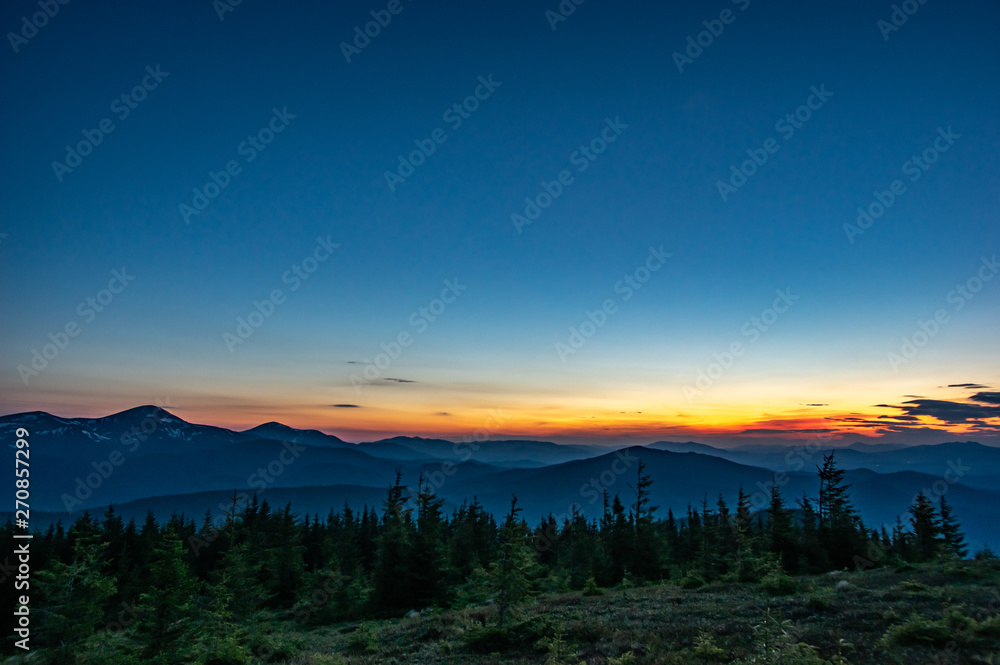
(176,591)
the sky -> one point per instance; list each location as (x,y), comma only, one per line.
(728,221)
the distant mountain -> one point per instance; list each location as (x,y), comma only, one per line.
(304,500)
(147,451)
(148,458)
(687,447)
(515,453)
(279,432)
(679,478)
(689,478)
(875,447)
(144,430)
(978,465)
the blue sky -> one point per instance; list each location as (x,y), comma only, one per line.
(162,338)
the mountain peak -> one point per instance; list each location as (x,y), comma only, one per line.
(158,413)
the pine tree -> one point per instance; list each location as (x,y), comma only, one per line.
(75,595)
(741,532)
(840,531)
(239,574)
(619,542)
(809,543)
(166,609)
(926,527)
(645,560)
(509,573)
(951,531)
(781,536)
(393,577)
(282,556)
(428,550)
(231,612)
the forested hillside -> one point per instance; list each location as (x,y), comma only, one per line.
(179,591)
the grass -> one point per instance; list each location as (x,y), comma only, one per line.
(940,613)
(926,614)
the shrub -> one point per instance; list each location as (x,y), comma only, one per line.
(627,658)
(486,639)
(591,588)
(559,651)
(489,639)
(954,626)
(362,640)
(820,600)
(917,630)
(779,584)
(985,554)
(774,643)
(692,581)
(705,648)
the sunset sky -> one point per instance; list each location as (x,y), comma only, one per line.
(613,315)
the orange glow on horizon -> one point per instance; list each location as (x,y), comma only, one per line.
(366,424)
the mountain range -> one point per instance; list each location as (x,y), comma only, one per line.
(149,459)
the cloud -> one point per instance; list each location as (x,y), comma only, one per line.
(389,379)
(442,413)
(777,430)
(816,405)
(986,398)
(950,412)
(345,406)
(974,386)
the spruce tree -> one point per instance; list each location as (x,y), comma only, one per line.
(509,573)
(393,578)
(428,549)
(840,531)
(781,535)
(951,531)
(645,560)
(75,595)
(167,608)
(926,527)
